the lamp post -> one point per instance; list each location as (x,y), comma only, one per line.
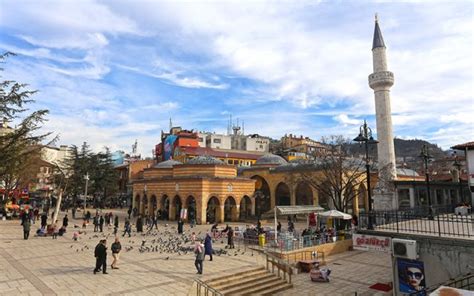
(365,136)
(425,155)
(458,166)
(86,177)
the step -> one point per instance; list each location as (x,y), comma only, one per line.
(241,283)
(230,277)
(250,287)
(277,288)
(261,287)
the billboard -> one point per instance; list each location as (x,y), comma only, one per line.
(169,145)
(411,276)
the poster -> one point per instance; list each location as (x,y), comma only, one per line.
(411,276)
(184,214)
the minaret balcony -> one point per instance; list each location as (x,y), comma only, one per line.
(381,79)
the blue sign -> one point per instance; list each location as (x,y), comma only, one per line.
(411,276)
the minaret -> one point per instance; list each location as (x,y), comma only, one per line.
(381,81)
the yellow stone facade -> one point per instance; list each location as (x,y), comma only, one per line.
(210,190)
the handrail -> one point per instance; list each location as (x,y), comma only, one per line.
(208,290)
(281,266)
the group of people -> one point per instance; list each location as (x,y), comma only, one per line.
(100,254)
(27,218)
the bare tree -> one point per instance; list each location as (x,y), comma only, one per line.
(334,174)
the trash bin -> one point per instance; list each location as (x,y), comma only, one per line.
(342,235)
(261,240)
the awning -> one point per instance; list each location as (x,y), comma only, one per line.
(295,210)
(336,214)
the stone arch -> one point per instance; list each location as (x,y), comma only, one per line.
(154,204)
(144,209)
(213,210)
(165,207)
(362,199)
(282,194)
(350,196)
(304,194)
(137,202)
(324,198)
(190,205)
(262,195)
(175,208)
(245,208)
(230,209)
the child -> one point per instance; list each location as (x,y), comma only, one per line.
(55,230)
(75,235)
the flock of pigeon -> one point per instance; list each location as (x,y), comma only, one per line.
(164,241)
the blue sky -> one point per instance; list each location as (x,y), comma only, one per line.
(111,72)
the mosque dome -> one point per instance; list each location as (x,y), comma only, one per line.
(204,159)
(271,159)
(167,164)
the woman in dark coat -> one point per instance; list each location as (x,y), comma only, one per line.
(180,226)
(208,246)
(139,224)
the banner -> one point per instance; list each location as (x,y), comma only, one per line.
(411,276)
(365,242)
(169,145)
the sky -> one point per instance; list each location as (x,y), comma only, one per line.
(112,72)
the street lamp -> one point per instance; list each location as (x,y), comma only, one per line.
(457,164)
(365,136)
(86,177)
(425,155)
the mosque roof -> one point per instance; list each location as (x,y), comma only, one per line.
(271,159)
(378,39)
(204,159)
(167,164)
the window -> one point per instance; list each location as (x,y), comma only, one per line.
(216,141)
(261,146)
(200,139)
(230,161)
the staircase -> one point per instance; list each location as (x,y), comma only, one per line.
(254,281)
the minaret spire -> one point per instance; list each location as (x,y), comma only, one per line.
(381,81)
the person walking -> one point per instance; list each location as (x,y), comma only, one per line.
(129,212)
(116,224)
(101,223)
(116,248)
(208,246)
(139,223)
(44,220)
(100,254)
(199,251)
(96,223)
(180,226)
(230,238)
(155,222)
(25,221)
(279,227)
(127,228)
(65,221)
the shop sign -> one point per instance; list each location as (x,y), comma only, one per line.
(365,242)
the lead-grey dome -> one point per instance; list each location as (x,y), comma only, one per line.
(204,159)
(167,164)
(271,159)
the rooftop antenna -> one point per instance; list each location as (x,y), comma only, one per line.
(230,124)
(134,147)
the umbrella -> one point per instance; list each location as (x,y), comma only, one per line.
(336,215)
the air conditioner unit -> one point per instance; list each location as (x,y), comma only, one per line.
(404,248)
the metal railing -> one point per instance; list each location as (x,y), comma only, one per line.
(204,289)
(281,266)
(465,282)
(443,223)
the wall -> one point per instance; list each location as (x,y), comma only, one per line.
(328,250)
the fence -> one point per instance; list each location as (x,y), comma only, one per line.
(204,289)
(441,221)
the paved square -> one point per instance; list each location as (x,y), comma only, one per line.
(43,266)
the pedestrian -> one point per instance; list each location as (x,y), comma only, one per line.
(101,223)
(129,212)
(75,236)
(127,228)
(26,227)
(65,221)
(96,223)
(139,223)
(180,226)
(36,214)
(155,222)
(44,220)
(279,227)
(230,238)
(199,251)
(116,248)
(208,246)
(55,229)
(100,254)
(116,224)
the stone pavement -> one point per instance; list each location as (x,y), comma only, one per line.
(43,266)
